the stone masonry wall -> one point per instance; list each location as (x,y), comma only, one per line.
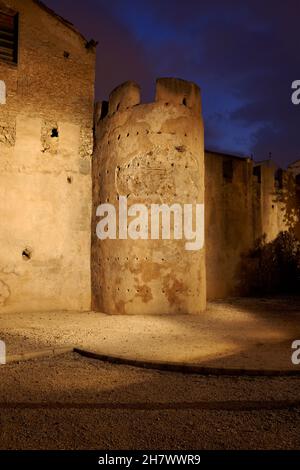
(228,221)
(150,153)
(244,202)
(46,144)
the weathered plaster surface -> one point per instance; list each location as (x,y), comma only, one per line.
(45,180)
(151,153)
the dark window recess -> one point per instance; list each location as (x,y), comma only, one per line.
(228,170)
(54,133)
(279,179)
(9,38)
(298,180)
(257,172)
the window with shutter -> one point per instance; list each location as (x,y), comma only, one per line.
(8,38)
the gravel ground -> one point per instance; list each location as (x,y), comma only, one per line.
(69,402)
(246,333)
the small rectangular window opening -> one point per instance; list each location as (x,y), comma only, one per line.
(257,173)
(228,170)
(9,37)
(279,179)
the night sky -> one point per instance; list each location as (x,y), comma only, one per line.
(244,54)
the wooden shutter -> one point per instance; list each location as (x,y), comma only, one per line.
(9,38)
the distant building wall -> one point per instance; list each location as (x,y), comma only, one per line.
(294,169)
(244,203)
(46,143)
(150,153)
(228,221)
(271,183)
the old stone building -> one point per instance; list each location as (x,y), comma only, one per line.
(46,113)
(244,202)
(152,154)
(52,182)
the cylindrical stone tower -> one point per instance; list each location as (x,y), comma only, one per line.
(149,154)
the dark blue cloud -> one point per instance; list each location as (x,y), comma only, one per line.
(243,54)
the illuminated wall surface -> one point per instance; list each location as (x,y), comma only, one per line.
(46,143)
(153,154)
(148,152)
